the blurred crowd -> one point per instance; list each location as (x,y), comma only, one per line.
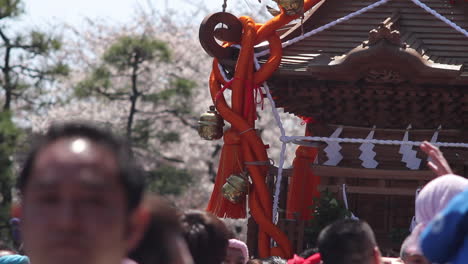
(83,201)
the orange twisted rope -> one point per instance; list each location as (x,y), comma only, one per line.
(252,147)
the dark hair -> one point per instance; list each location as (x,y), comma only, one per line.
(130,174)
(254,261)
(308,252)
(4,247)
(344,240)
(164,226)
(207,237)
(273,260)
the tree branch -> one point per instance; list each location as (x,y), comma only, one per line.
(113,96)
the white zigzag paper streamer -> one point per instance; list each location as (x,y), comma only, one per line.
(333,149)
(367,153)
(409,155)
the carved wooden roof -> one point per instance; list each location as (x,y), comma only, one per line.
(392,66)
(365,104)
(422,34)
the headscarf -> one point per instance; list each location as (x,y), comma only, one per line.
(314,259)
(411,244)
(436,195)
(235,243)
(14,259)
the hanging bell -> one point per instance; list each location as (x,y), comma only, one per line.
(236,187)
(210,125)
(291,7)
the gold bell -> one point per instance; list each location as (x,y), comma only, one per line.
(236,187)
(210,125)
(291,7)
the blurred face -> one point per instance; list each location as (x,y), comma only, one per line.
(234,256)
(180,253)
(416,259)
(74,206)
(6,253)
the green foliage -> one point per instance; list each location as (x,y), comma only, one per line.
(10,8)
(398,235)
(98,81)
(42,43)
(327,209)
(9,135)
(151,97)
(179,90)
(121,76)
(21,58)
(177,95)
(59,69)
(168,137)
(129,50)
(183,87)
(168,180)
(141,132)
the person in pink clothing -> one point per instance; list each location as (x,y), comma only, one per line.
(237,252)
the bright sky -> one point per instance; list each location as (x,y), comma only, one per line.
(73,11)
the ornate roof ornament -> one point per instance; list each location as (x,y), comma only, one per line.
(386,31)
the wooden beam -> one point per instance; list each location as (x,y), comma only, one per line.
(363,173)
(369,190)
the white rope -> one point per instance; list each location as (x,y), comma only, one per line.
(359,12)
(373,141)
(223,74)
(279,177)
(325,27)
(441,17)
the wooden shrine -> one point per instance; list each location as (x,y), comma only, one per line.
(394,69)
(370,86)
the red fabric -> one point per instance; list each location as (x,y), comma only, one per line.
(303,187)
(226,86)
(230,163)
(251,98)
(314,259)
(307,120)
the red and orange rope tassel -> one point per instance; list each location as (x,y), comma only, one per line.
(242,144)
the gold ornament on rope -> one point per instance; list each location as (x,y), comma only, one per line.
(291,7)
(236,187)
(210,125)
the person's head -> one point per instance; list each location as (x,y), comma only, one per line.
(436,195)
(5,250)
(411,252)
(308,252)
(80,191)
(273,260)
(206,236)
(254,261)
(348,241)
(162,241)
(237,252)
